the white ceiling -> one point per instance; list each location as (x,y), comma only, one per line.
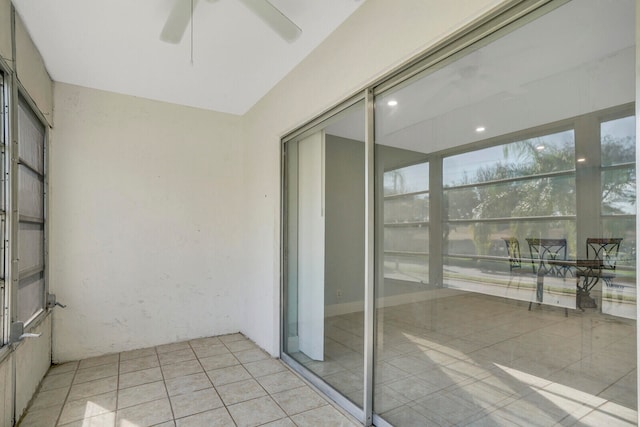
(548,70)
(114,45)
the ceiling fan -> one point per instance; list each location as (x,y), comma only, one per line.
(182,12)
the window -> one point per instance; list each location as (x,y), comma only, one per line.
(406,226)
(325,248)
(479,149)
(519,190)
(31,214)
(618,207)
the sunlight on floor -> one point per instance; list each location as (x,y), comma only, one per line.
(96,415)
(573,402)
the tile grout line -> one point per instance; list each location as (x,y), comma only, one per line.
(253,378)
(328,402)
(224,405)
(164,383)
(75,372)
(115,413)
(261,386)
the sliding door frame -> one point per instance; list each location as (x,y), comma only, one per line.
(503,19)
(292,137)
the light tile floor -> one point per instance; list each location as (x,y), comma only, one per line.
(218,381)
(468,359)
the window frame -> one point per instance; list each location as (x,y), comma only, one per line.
(493,25)
(535,132)
(410,224)
(5,294)
(13,267)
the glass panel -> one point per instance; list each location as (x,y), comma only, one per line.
(549,153)
(31,138)
(30,297)
(619,295)
(487,238)
(409,267)
(551,196)
(30,245)
(324,287)
(413,208)
(407,239)
(492,337)
(31,193)
(618,145)
(406,215)
(409,179)
(619,191)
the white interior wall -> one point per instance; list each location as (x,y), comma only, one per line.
(145,222)
(378,37)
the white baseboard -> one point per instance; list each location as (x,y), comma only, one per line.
(389,301)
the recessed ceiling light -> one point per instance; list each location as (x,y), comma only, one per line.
(392,103)
(540,147)
(581,160)
(480,129)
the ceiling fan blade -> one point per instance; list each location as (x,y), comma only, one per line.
(177,21)
(274,18)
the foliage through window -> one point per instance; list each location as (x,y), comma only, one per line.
(520,189)
(406,223)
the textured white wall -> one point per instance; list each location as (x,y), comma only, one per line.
(145,222)
(379,36)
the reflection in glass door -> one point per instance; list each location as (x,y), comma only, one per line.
(520,140)
(526,137)
(324,297)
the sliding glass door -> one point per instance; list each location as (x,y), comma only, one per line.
(324,299)
(503,175)
(530,144)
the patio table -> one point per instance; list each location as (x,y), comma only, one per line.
(590,271)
